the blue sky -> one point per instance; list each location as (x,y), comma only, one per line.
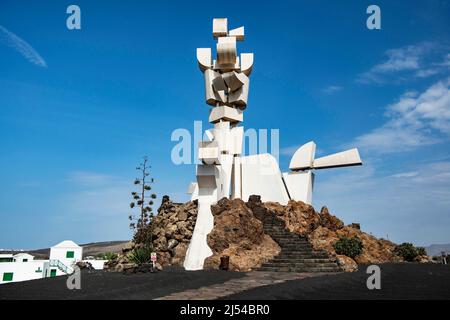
(78,109)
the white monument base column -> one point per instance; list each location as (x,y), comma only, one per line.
(198,249)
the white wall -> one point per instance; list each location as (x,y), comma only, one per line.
(97,264)
(22,271)
(58,253)
(300,185)
(261,175)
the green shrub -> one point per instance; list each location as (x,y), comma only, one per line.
(350,247)
(421,251)
(107,256)
(407,251)
(140,255)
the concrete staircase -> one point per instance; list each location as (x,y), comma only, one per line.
(297,254)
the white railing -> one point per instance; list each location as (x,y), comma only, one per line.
(61,266)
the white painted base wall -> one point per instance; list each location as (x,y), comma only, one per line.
(22,271)
(25,271)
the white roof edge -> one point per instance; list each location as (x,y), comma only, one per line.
(66,244)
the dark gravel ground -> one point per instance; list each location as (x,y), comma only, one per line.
(398,281)
(113,285)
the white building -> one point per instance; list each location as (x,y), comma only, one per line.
(23,257)
(6,257)
(23,266)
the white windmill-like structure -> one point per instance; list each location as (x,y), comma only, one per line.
(224,171)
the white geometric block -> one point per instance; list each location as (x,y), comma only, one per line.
(261,176)
(208,135)
(204,58)
(222,136)
(193,190)
(225,169)
(208,152)
(192,187)
(236,179)
(237,139)
(220,27)
(234,80)
(225,113)
(303,158)
(300,185)
(219,83)
(226,67)
(341,159)
(238,33)
(212,96)
(246,63)
(206,177)
(239,97)
(226,51)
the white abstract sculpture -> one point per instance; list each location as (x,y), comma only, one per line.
(224,172)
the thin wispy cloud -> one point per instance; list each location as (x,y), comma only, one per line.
(414,61)
(86,178)
(332,89)
(410,174)
(25,49)
(415,120)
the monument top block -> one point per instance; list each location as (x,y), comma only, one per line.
(227,76)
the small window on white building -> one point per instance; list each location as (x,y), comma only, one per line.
(8,276)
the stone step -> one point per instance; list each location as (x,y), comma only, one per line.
(282,237)
(294,245)
(304,269)
(299,265)
(293,242)
(285,251)
(299,255)
(300,260)
(285,235)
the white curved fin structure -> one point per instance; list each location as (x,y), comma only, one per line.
(303,158)
(204,58)
(246,63)
(341,159)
